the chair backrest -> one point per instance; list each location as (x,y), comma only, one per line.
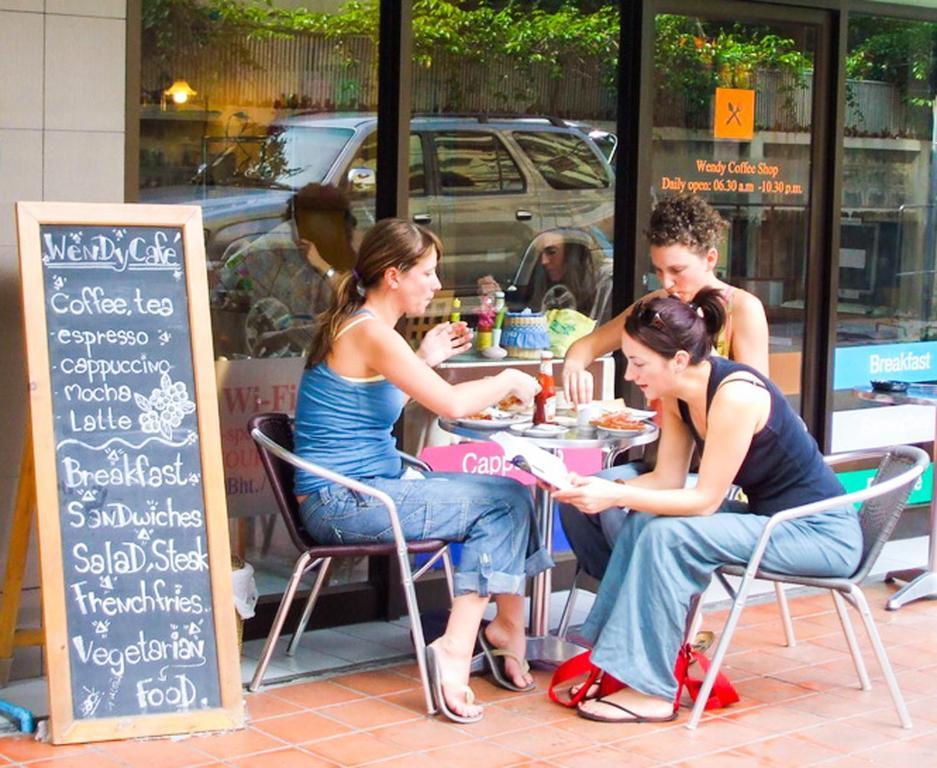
(279,428)
(879,515)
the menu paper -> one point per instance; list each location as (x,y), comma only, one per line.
(530,457)
(137,606)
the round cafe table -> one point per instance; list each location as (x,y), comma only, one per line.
(541,645)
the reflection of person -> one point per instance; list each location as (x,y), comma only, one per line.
(286,273)
(665,554)
(358,375)
(683,234)
(572,274)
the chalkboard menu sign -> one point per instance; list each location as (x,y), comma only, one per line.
(135,563)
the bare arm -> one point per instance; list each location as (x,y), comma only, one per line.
(385,351)
(577,381)
(736,414)
(750,332)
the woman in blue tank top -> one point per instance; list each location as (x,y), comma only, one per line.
(667,552)
(358,377)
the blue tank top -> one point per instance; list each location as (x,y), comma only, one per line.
(345,425)
(783,467)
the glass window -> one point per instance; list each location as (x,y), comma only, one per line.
(885,319)
(417,171)
(732,123)
(262,131)
(475,163)
(564,160)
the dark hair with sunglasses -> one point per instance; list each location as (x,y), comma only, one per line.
(666,324)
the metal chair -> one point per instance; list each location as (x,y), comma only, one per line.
(883,501)
(273,435)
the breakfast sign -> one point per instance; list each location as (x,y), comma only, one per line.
(134,557)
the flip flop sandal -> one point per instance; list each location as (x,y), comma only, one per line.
(630,715)
(495,658)
(435,680)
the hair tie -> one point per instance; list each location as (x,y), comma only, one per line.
(358,286)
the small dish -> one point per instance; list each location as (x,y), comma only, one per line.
(495,418)
(540,430)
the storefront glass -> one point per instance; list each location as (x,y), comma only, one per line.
(513,118)
(732,121)
(263,115)
(885,313)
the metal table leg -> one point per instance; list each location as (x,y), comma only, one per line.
(921,582)
(541,645)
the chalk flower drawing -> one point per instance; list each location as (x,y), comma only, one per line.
(165,408)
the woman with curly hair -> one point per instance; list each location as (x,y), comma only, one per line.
(683,235)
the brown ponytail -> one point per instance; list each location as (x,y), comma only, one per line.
(666,325)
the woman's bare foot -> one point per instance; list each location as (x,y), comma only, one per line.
(508,637)
(627,706)
(454,669)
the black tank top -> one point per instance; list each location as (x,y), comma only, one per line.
(783,467)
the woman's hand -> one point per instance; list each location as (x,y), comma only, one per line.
(577,383)
(443,341)
(523,386)
(590,495)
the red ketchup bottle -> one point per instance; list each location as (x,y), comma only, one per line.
(545,400)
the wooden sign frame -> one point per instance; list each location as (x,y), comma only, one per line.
(65,727)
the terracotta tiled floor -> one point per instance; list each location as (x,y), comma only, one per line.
(800,706)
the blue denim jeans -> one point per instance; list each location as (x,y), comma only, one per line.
(659,564)
(493,517)
(593,536)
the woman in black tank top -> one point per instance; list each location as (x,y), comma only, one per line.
(675,537)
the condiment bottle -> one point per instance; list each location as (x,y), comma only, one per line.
(545,399)
(455,316)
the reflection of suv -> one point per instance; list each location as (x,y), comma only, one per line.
(486,185)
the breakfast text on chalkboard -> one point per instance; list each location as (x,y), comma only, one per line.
(137,585)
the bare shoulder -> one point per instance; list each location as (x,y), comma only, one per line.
(747,303)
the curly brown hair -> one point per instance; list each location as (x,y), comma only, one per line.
(685,219)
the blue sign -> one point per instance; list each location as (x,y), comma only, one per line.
(857,366)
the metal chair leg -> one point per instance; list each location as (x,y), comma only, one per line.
(721,647)
(843,612)
(695,620)
(284,609)
(882,657)
(785,614)
(416,626)
(567,614)
(448,570)
(321,580)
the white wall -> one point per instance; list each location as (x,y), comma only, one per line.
(62,119)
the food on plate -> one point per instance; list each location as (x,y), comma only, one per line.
(618,420)
(480,416)
(512,403)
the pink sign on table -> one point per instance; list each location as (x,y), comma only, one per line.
(486,458)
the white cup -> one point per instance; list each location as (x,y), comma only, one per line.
(585,414)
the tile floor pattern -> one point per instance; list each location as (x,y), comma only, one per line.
(800,706)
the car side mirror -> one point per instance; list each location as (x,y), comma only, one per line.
(362,180)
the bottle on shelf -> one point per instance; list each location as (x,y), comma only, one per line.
(545,399)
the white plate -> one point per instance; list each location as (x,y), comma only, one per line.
(541,430)
(499,419)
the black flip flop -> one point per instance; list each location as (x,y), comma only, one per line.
(495,658)
(435,681)
(633,717)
